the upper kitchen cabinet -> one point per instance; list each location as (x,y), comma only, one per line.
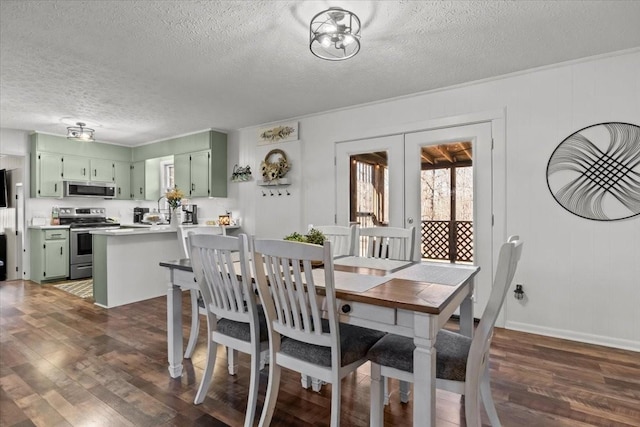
(122,178)
(55,158)
(138,190)
(75,168)
(191,173)
(218,172)
(102,170)
(200,162)
(145,182)
(46,175)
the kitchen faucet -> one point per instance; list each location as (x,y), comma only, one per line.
(165,216)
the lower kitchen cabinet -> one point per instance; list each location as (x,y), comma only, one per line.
(49,254)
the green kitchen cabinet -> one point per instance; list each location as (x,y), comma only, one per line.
(48,175)
(102,170)
(49,254)
(138,181)
(122,178)
(75,168)
(218,164)
(191,173)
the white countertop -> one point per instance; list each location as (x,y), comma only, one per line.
(135,231)
(48,227)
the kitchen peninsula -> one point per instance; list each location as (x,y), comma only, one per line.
(125,264)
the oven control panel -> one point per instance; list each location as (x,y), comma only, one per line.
(82,212)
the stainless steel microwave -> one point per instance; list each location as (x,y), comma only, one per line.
(104,190)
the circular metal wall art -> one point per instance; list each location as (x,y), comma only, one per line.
(595,172)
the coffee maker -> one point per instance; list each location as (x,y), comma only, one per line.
(138,214)
(190,214)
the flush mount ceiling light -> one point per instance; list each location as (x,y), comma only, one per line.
(334,34)
(80,132)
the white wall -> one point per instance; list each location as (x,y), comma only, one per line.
(581,277)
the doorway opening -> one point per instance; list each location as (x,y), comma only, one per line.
(369,189)
(446,199)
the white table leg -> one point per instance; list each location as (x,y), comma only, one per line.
(424,370)
(466,314)
(174,328)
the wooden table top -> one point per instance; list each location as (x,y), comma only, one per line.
(413,295)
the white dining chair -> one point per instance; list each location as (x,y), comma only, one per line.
(300,338)
(234,318)
(388,242)
(462,364)
(343,239)
(197,307)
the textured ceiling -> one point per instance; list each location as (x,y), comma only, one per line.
(140,71)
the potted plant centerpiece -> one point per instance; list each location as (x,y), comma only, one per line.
(314,237)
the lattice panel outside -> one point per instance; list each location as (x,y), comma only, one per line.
(464,241)
(435,239)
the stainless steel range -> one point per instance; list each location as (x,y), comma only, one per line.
(81,222)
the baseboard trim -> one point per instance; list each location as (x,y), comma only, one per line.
(575,336)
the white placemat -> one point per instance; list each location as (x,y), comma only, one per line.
(433,273)
(351,282)
(377,263)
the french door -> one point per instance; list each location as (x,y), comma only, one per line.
(404,154)
(479,135)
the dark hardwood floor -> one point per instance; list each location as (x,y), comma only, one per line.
(65,361)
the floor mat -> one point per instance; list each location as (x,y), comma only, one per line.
(80,288)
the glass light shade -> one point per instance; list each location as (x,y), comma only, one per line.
(80,132)
(334,34)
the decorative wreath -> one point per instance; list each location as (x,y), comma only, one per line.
(276,168)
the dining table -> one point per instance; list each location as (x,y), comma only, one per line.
(409,298)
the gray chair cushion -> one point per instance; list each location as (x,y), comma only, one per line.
(354,344)
(241,330)
(452,350)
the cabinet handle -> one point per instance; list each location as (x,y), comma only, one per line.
(140,190)
(84,171)
(95,172)
(119,190)
(55,187)
(60,250)
(193,187)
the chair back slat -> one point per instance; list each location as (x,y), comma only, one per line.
(288,291)
(343,239)
(389,242)
(225,293)
(183,241)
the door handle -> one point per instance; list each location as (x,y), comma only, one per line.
(409,220)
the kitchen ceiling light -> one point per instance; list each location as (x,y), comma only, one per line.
(80,132)
(334,34)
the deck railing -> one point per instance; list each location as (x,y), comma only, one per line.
(447,240)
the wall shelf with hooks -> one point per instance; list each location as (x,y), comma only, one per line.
(282,182)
